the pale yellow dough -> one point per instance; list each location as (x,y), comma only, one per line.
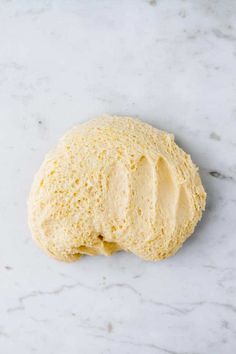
(115,183)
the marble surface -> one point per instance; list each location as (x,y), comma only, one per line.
(173,63)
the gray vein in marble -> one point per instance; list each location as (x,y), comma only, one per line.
(181,308)
(222,35)
(222,176)
(209,266)
(225,325)
(12,65)
(131,288)
(227,306)
(37,293)
(142,344)
(35,11)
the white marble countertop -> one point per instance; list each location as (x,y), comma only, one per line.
(172,63)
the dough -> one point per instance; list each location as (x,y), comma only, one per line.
(115,183)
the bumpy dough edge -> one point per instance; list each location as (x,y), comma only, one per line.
(67,222)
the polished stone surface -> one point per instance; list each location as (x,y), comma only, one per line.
(172,63)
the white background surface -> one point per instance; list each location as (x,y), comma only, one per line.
(172,63)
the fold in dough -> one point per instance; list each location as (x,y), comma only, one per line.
(115,183)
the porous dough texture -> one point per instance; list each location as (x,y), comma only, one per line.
(115,183)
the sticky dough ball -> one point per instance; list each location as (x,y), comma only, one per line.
(115,183)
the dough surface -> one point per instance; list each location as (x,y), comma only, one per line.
(115,183)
